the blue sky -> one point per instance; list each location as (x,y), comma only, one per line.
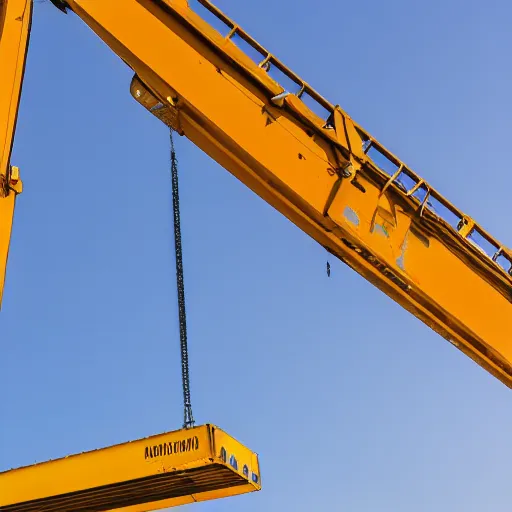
(352,403)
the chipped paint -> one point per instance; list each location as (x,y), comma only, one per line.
(400,261)
(351,215)
(382,268)
(378,228)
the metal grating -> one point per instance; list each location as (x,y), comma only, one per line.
(174,484)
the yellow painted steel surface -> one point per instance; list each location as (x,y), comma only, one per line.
(313,163)
(167,470)
(7,203)
(15,21)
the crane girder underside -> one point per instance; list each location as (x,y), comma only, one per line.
(362,256)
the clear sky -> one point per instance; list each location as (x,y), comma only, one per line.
(352,403)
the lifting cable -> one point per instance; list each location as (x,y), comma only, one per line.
(188,419)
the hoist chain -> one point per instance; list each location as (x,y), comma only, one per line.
(188,419)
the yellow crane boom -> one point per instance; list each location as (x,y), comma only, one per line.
(203,75)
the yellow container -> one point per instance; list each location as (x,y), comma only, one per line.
(162,471)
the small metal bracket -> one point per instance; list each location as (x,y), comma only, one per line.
(61,5)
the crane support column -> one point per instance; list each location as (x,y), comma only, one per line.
(15,23)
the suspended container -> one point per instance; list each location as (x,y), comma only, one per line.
(167,470)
